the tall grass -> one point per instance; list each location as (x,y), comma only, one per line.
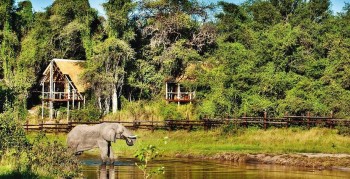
(156,110)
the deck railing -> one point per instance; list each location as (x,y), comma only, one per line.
(61,96)
(180,96)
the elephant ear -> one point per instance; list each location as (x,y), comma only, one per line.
(111,132)
(108,133)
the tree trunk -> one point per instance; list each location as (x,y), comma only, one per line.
(107,104)
(114,100)
(100,104)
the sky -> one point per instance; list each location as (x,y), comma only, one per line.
(39,5)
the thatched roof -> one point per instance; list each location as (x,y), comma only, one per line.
(72,68)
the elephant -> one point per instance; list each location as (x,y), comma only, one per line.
(85,137)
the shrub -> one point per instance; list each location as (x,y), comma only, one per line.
(12,135)
(52,158)
(41,156)
(146,155)
(343,129)
(170,111)
(89,114)
(231,129)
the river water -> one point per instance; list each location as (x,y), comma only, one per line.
(208,169)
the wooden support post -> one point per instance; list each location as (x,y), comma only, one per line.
(42,101)
(286,118)
(152,124)
(54,90)
(51,90)
(27,125)
(56,131)
(84,101)
(73,99)
(331,121)
(68,96)
(79,105)
(69,126)
(308,119)
(41,125)
(265,120)
(178,94)
(68,111)
(332,115)
(166,91)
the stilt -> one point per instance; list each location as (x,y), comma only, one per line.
(166,91)
(73,99)
(42,101)
(67,112)
(178,94)
(51,90)
(68,96)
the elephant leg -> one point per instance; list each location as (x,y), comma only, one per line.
(103,145)
(110,153)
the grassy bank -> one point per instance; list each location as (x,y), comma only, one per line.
(251,140)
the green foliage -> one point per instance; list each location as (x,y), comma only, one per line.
(13,138)
(343,129)
(31,158)
(146,155)
(275,55)
(232,129)
(171,111)
(118,22)
(52,158)
(88,114)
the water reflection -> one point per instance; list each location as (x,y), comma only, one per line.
(107,172)
(189,168)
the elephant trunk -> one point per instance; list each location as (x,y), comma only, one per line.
(130,140)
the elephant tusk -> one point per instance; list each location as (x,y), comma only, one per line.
(132,137)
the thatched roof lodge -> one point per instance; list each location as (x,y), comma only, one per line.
(61,82)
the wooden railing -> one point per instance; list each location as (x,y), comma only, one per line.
(206,124)
(61,96)
(180,96)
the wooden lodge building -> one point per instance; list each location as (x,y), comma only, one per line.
(61,85)
(175,92)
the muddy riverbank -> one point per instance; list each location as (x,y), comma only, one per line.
(317,161)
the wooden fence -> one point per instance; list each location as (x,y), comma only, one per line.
(263,122)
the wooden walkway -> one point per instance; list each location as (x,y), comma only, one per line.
(206,124)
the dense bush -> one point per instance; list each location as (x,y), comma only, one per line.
(12,134)
(343,129)
(88,114)
(43,157)
(52,158)
(170,111)
(232,129)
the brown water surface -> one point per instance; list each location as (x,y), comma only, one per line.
(208,169)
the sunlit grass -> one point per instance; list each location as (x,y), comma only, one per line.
(251,140)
